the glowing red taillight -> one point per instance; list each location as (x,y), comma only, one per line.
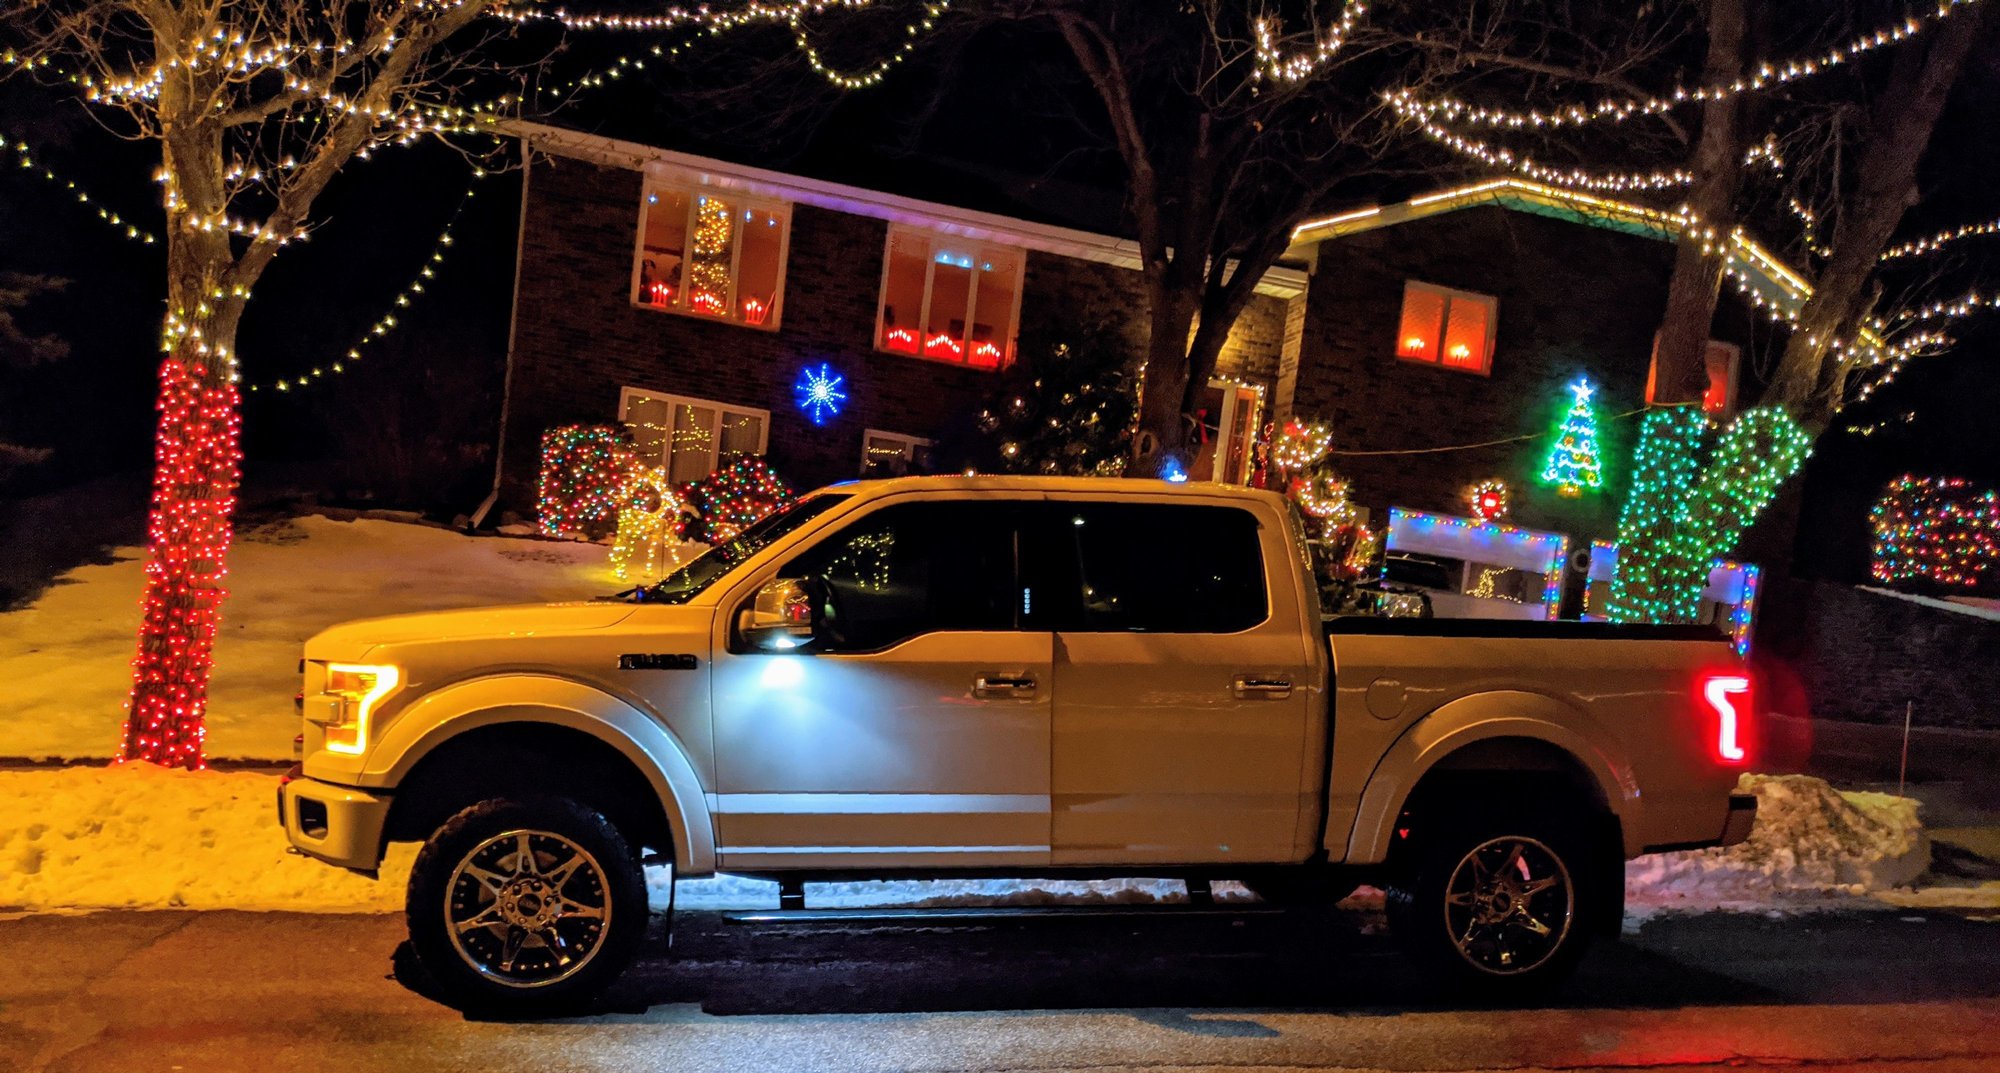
(1728,696)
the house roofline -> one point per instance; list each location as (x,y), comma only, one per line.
(1278,282)
(1772,280)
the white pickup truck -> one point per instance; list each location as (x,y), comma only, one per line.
(985,676)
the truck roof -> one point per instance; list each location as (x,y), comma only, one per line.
(985,482)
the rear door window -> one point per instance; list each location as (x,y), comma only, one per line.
(1146,568)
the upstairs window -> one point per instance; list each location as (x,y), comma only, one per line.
(949,300)
(1449,328)
(1722,360)
(713,255)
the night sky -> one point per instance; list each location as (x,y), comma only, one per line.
(980,121)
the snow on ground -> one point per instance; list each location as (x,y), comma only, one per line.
(136,836)
(66,659)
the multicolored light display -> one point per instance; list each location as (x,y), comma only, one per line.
(1936,529)
(585,469)
(1573,466)
(735,496)
(1489,499)
(1485,542)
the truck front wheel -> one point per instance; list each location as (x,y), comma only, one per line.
(1499,904)
(525,905)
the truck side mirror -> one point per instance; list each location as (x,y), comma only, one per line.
(779,618)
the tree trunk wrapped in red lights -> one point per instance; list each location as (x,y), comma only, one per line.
(197,467)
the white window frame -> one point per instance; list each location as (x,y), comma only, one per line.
(648,198)
(909,443)
(1451,295)
(723,410)
(932,239)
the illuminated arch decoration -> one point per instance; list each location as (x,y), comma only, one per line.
(819,393)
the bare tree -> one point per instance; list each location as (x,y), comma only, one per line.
(256,105)
(1233,125)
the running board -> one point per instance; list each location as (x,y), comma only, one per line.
(974,912)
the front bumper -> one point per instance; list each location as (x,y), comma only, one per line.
(337,824)
(1742,816)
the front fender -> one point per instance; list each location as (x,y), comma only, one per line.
(525,698)
(1481,717)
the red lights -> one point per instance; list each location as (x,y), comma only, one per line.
(196,470)
(1728,695)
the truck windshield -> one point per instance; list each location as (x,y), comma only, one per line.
(705,569)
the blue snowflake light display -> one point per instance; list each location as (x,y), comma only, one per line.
(819,393)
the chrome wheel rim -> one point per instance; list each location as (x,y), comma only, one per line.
(1509,905)
(527,908)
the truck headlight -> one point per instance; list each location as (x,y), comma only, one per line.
(349,698)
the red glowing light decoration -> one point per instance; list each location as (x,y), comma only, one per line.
(1489,499)
(1717,691)
(198,463)
(902,339)
(709,302)
(659,294)
(755,310)
(941,345)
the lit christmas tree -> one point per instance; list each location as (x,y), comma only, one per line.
(1573,465)
(1066,407)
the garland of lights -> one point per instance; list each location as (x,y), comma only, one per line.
(735,496)
(1573,465)
(1324,496)
(583,478)
(1919,246)
(1761,76)
(403,300)
(1680,516)
(649,523)
(197,465)
(27,162)
(1270,63)
(1405,106)
(1935,529)
(1300,446)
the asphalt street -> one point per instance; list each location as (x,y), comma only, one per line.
(1181,990)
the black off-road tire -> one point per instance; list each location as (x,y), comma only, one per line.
(1433,872)
(472,869)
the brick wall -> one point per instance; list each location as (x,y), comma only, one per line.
(580,339)
(1840,652)
(1573,300)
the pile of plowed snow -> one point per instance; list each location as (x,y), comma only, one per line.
(1809,838)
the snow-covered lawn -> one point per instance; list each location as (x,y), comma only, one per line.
(143,837)
(66,659)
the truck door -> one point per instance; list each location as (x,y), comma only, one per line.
(915,731)
(1180,682)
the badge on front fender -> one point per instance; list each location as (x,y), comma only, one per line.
(656,661)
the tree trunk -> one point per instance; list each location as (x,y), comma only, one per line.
(1811,373)
(1680,362)
(195,476)
(1164,385)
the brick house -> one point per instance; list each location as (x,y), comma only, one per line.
(686,296)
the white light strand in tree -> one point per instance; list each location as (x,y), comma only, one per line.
(674,18)
(1761,76)
(1525,165)
(1271,63)
(1917,247)
(27,162)
(403,300)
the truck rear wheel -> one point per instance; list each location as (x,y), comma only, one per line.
(1500,905)
(525,905)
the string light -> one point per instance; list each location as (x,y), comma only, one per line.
(197,465)
(1935,529)
(1680,515)
(1301,445)
(583,477)
(1406,106)
(1573,465)
(1492,542)
(1758,77)
(404,299)
(649,524)
(26,161)
(1302,64)
(736,496)
(1917,247)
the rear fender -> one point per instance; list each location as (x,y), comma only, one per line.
(1481,717)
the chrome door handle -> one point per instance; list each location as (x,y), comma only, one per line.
(1004,685)
(1247,686)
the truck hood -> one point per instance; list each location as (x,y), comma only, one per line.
(350,641)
